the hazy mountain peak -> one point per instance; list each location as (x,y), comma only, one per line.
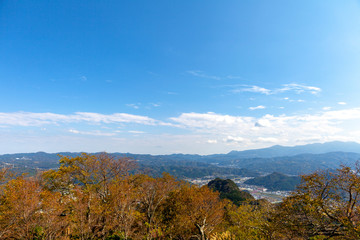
(314,148)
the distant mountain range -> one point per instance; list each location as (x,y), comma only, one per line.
(315,148)
(287,160)
(295,165)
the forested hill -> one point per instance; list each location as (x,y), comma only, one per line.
(276,181)
(229,190)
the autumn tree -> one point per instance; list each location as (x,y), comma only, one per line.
(193,212)
(124,202)
(153,193)
(20,208)
(248,221)
(53,223)
(84,182)
(90,171)
(325,205)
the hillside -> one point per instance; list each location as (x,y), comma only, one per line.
(229,190)
(275,181)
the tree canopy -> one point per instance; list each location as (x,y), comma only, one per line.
(100,197)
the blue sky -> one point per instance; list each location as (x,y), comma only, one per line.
(177,76)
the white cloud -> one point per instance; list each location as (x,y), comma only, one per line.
(292,100)
(209,120)
(298,88)
(283,129)
(326,108)
(74,131)
(292,87)
(38,119)
(92,133)
(193,131)
(136,132)
(258,107)
(232,139)
(267,139)
(254,89)
(342,103)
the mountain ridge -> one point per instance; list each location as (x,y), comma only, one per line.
(273,151)
(296,160)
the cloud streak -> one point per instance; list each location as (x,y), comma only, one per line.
(257,107)
(201,74)
(92,133)
(39,119)
(292,87)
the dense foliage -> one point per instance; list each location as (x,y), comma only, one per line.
(99,197)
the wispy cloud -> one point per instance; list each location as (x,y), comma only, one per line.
(342,103)
(232,139)
(92,133)
(155,104)
(171,93)
(201,74)
(38,119)
(136,132)
(267,139)
(254,89)
(293,100)
(298,88)
(293,87)
(133,105)
(257,107)
(233,77)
